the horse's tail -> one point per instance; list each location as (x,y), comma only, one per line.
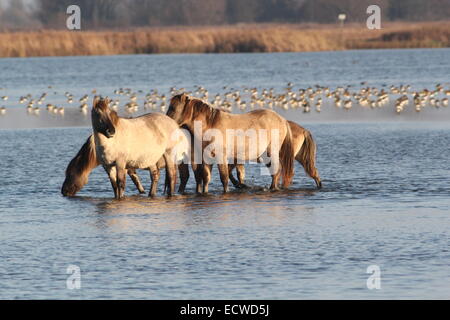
(287,158)
(307,157)
(80,167)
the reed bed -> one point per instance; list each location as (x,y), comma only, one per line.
(223,39)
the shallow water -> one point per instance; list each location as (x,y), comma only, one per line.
(385,202)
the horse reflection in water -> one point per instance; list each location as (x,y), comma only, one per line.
(235,209)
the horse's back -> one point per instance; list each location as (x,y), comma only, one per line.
(157,120)
(257,119)
(168,132)
(140,142)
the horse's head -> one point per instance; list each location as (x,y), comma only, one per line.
(104,120)
(179,109)
(79,168)
(72,184)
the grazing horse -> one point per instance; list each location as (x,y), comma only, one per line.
(273,135)
(86,160)
(136,143)
(304,150)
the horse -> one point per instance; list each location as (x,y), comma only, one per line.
(137,143)
(197,116)
(304,150)
(86,160)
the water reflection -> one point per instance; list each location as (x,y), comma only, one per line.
(235,209)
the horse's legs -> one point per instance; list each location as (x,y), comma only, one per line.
(154,175)
(224,176)
(112,174)
(135,178)
(121,180)
(198,173)
(275,178)
(232,178)
(183,169)
(240,169)
(275,182)
(314,174)
(171,172)
(206,176)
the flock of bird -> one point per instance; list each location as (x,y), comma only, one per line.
(244,99)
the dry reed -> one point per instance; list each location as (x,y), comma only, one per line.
(223,39)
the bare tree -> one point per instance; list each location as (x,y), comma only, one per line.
(138,13)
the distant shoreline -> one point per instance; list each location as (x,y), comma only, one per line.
(224,39)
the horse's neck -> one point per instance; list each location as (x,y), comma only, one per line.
(86,159)
(207,121)
(102,142)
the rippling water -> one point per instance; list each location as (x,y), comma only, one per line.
(385,200)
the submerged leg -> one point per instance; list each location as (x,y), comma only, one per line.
(224,176)
(240,169)
(135,178)
(232,178)
(121,180)
(183,169)
(275,178)
(310,170)
(171,173)
(206,176)
(112,174)
(275,182)
(198,173)
(154,175)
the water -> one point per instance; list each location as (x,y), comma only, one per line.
(385,199)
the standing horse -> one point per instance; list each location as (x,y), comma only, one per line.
(275,144)
(86,160)
(305,154)
(136,143)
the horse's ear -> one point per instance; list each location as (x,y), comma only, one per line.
(96,101)
(114,117)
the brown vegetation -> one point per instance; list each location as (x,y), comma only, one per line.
(224,39)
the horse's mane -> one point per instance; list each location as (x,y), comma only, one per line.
(85,160)
(202,108)
(194,107)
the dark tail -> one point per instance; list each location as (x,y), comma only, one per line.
(307,157)
(287,158)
